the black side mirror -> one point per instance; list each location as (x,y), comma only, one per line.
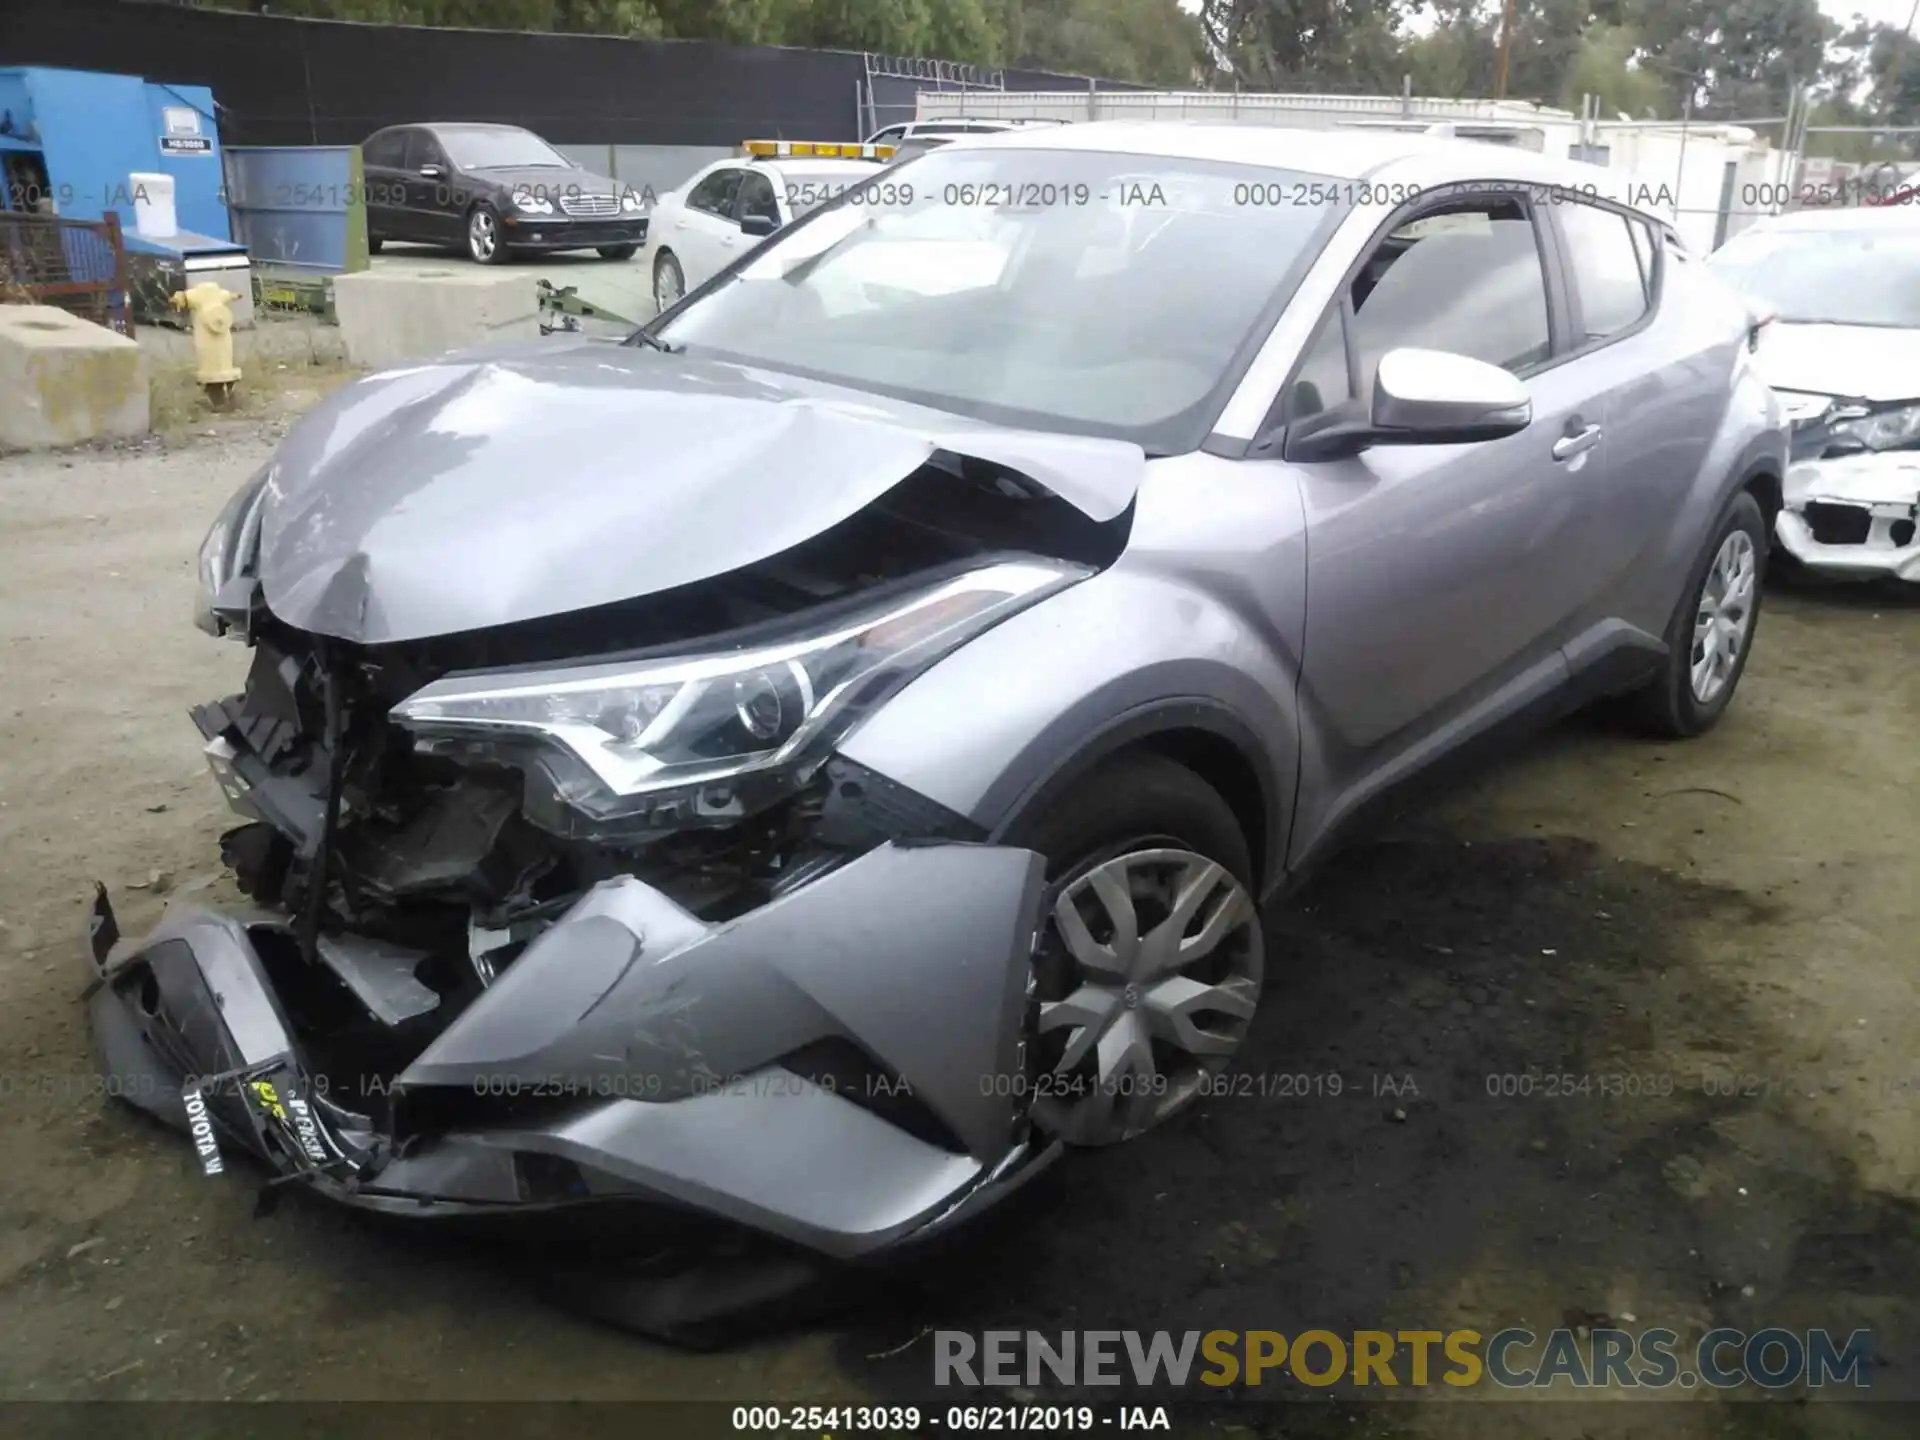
(758,225)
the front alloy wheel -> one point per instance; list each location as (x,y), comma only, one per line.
(483,235)
(669,284)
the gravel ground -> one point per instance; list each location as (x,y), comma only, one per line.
(1731,915)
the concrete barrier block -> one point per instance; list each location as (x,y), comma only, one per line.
(65,380)
(390,317)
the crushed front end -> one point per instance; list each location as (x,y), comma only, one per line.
(1852,493)
(588,909)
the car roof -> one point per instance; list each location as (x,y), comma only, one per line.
(843,164)
(438,125)
(1384,156)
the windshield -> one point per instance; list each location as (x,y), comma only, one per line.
(1868,276)
(810,186)
(498,149)
(1114,295)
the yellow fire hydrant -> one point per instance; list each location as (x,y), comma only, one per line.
(212,336)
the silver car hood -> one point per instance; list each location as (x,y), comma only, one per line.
(512,484)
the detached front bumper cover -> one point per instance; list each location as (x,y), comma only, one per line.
(837,1069)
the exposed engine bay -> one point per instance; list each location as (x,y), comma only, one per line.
(417,869)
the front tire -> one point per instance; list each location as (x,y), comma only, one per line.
(618,252)
(1711,633)
(669,282)
(485,244)
(1150,960)
(374,242)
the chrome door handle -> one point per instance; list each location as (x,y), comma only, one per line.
(1578,443)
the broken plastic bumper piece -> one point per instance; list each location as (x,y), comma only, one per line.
(835,1069)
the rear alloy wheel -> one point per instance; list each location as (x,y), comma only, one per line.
(483,235)
(1150,962)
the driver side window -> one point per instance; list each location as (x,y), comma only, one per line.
(756,197)
(1467,279)
(714,195)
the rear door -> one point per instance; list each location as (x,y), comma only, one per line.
(1439,576)
(1663,388)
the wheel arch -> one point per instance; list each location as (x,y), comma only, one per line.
(1204,736)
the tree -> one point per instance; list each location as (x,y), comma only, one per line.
(1604,66)
(1153,42)
(1333,45)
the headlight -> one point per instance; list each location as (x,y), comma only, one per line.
(533,204)
(629,200)
(630,747)
(229,548)
(1891,429)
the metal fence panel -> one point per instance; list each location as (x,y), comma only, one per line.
(79,265)
(302,206)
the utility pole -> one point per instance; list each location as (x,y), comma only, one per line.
(1506,44)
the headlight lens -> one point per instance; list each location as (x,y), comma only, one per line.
(533,204)
(631,747)
(229,548)
(1891,429)
(629,200)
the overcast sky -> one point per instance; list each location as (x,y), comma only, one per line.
(1886,12)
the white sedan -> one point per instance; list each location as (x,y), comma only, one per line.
(725,210)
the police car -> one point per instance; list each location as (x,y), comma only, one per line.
(732,205)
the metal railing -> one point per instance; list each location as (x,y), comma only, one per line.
(78,265)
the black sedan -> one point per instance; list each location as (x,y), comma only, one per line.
(495,189)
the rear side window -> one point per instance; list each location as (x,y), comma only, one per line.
(1609,272)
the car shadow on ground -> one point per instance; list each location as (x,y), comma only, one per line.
(1451,1182)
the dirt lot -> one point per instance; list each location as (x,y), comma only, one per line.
(1732,921)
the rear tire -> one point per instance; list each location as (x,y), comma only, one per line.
(1150,961)
(1707,644)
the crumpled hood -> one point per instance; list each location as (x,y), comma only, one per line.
(539,479)
(1856,362)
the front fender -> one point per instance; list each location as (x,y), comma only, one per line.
(1125,655)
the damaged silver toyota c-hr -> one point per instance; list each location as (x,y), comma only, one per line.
(811,762)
